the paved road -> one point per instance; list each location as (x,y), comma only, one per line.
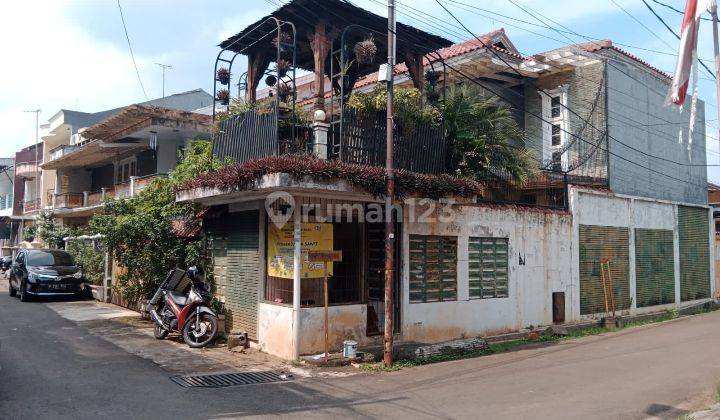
(53,368)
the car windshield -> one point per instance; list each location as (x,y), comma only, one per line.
(44,258)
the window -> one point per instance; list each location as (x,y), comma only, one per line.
(488,267)
(555,127)
(49,258)
(124,170)
(433,268)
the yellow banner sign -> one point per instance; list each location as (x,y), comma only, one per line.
(280,249)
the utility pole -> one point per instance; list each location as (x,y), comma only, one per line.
(37,142)
(389,225)
(164,67)
(716,48)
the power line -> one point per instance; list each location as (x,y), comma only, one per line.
(675,33)
(132,55)
(674,9)
(538,116)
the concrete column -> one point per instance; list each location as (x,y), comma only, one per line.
(676,253)
(631,254)
(297,269)
(85,198)
(132,186)
(102,193)
(713,279)
(320,139)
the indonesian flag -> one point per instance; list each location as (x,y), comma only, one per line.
(688,48)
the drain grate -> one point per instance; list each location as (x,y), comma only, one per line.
(229,379)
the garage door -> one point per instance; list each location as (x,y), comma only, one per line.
(654,267)
(598,243)
(694,231)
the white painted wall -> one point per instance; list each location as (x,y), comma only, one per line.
(539,237)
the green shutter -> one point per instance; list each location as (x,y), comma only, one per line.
(694,232)
(433,268)
(654,267)
(488,267)
(236,257)
(603,242)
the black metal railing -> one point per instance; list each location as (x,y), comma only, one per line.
(418,146)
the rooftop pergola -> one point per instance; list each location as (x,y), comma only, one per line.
(317,28)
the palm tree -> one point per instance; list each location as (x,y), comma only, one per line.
(485,142)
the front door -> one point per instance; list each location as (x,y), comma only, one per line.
(375,278)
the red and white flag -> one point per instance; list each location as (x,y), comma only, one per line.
(688,48)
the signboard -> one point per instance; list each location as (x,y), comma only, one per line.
(325,256)
(280,249)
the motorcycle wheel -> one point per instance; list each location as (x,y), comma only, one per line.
(202,334)
(160,332)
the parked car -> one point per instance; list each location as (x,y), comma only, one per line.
(45,272)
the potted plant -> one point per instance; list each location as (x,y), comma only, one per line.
(281,38)
(223,75)
(282,66)
(365,51)
(219,309)
(223,95)
(270,80)
(284,92)
(432,77)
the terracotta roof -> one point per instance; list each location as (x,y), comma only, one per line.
(713,187)
(136,117)
(594,46)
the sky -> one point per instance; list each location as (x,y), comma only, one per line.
(72,54)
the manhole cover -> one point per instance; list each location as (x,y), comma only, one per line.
(229,379)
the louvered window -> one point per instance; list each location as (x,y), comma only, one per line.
(433,268)
(488,267)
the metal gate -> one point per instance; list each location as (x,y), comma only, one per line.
(654,267)
(694,232)
(236,262)
(598,243)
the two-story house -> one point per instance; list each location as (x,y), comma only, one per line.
(621,190)
(114,153)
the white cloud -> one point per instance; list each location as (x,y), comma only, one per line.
(52,64)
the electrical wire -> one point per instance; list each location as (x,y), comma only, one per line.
(674,33)
(132,55)
(674,9)
(469,78)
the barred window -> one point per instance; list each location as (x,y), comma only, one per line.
(433,268)
(488,267)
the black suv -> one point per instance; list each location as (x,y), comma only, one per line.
(45,272)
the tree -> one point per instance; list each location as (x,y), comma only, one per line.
(484,140)
(49,231)
(138,231)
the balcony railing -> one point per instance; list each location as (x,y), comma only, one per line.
(419,146)
(26,169)
(68,200)
(31,205)
(62,150)
(96,198)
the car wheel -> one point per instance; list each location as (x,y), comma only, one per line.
(24,296)
(11,289)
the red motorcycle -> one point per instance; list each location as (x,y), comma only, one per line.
(181,304)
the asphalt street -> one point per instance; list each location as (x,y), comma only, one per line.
(54,368)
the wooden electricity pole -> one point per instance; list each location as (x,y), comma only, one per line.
(389,225)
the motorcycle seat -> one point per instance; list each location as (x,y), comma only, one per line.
(178,298)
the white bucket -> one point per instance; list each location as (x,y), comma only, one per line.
(349,349)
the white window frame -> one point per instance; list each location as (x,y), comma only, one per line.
(130,162)
(550,121)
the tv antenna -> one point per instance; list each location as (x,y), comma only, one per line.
(164,67)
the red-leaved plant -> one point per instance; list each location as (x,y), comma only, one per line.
(240,176)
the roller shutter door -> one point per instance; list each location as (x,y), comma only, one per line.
(236,261)
(693,227)
(603,242)
(654,267)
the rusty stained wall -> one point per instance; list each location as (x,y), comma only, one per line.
(275,330)
(539,263)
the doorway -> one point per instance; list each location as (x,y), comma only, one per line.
(375,278)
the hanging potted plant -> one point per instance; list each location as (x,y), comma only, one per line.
(270,80)
(282,66)
(284,92)
(432,77)
(281,38)
(223,75)
(365,51)
(223,95)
